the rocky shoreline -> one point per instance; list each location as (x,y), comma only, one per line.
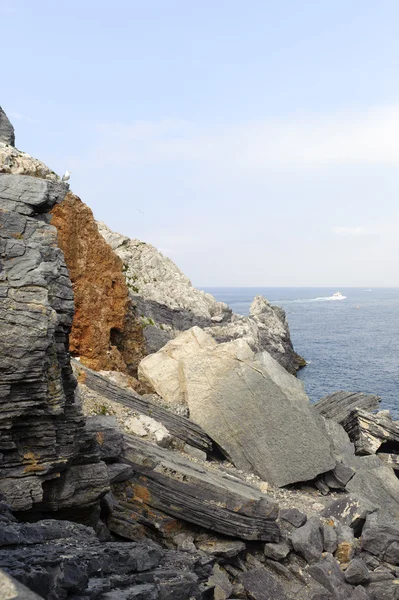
(153,445)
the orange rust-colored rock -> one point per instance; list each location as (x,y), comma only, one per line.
(103,319)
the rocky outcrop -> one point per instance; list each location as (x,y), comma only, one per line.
(257,413)
(339,405)
(62,560)
(42,429)
(7,135)
(372,433)
(103,322)
(169,304)
(16,162)
(179,427)
(168,482)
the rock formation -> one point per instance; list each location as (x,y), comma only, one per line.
(256,412)
(170,304)
(102,307)
(7,135)
(42,428)
(87,513)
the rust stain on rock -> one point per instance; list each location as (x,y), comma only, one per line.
(105,333)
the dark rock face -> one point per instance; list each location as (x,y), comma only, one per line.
(7,135)
(338,405)
(170,483)
(42,428)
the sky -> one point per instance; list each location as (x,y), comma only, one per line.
(255,143)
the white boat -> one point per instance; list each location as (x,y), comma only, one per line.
(338,296)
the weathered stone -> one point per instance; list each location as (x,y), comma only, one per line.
(293,516)
(369,432)
(391,460)
(350,510)
(340,404)
(357,572)
(376,483)
(220,580)
(307,540)
(7,135)
(11,589)
(108,436)
(167,300)
(223,548)
(261,584)
(339,476)
(277,551)
(172,484)
(42,428)
(256,412)
(379,534)
(99,289)
(330,538)
(178,426)
(328,574)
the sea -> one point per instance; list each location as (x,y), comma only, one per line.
(349,344)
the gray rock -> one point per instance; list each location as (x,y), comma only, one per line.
(293,516)
(387,590)
(357,572)
(277,551)
(261,584)
(223,548)
(256,412)
(377,483)
(180,427)
(350,510)
(379,534)
(328,573)
(164,295)
(168,482)
(359,593)
(307,540)
(339,476)
(338,405)
(7,135)
(369,432)
(10,588)
(108,435)
(44,441)
(330,538)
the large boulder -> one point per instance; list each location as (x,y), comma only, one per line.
(339,405)
(248,404)
(7,135)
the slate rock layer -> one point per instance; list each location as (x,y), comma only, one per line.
(42,428)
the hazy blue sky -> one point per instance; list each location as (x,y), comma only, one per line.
(254,142)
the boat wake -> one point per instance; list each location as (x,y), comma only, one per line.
(318,299)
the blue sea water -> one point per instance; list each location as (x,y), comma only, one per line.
(350,344)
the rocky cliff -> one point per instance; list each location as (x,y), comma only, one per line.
(42,428)
(7,135)
(158,513)
(105,333)
(169,304)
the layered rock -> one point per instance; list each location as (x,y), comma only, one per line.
(249,405)
(42,428)
(105,334)
(7,135)
(339,405)
(169,303)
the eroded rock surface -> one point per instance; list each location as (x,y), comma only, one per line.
(101,297)
(257,413)
(170,304)
(42,428)
(7,135)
